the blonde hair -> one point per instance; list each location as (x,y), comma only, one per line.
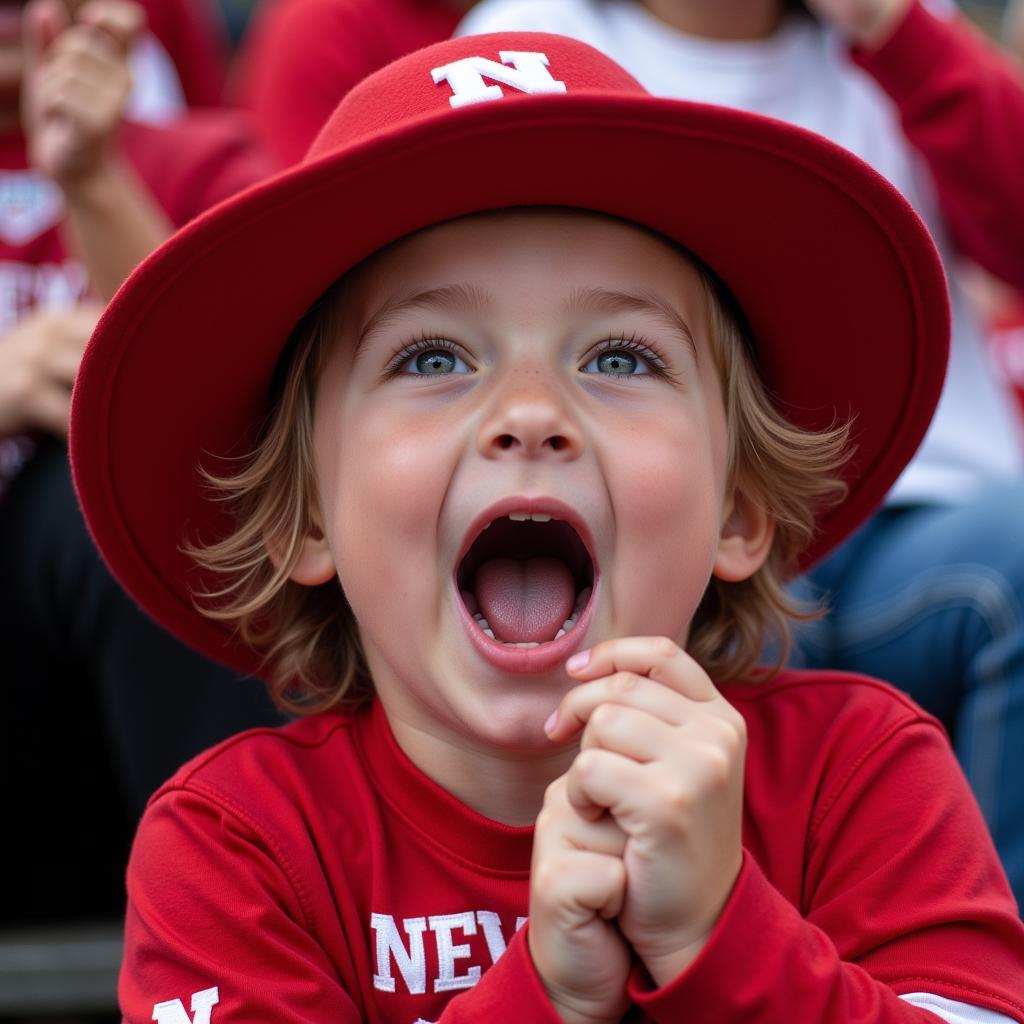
(308,635)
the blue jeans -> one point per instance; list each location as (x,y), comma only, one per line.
(931,599)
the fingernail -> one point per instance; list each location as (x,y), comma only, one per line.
(552,721)
(578,661)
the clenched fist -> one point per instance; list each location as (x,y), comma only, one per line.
(76,83)
(660,773)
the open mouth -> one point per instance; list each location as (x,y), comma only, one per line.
(526,579)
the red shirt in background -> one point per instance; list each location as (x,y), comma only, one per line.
(302,56)
(194,36)
(187,165)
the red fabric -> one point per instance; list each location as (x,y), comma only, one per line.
(868,872)
(187,166)
(195,39)
(302,56)
(961,104)
(197,161)
(1007,339)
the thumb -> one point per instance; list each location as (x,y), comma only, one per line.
(41,23)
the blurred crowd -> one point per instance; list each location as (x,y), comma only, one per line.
(121,121)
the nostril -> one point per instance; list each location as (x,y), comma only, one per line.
(506,441)
(558,442)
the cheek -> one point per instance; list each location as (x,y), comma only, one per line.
(668,499)
(382,484)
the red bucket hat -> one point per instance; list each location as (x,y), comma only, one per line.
(839,280)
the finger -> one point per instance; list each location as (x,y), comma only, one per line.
(42,22)
(560,828)
(86,45)
(582,882)
(77,100)
(119,21)
(62,365)
(631,733)
(624,688)
(657,657)
(601,781)
(50,409)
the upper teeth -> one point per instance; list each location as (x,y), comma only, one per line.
(521,517)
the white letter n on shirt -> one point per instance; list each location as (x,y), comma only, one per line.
(173,1012)
(411,962)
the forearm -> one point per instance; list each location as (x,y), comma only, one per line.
(112,223)
(961,106)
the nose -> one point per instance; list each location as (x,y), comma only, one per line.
(530,419)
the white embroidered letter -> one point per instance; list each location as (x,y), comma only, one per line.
(173,1012)
(491,925)
(411,962)
(529,73)
(447,953)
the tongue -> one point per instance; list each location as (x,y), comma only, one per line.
(525,600)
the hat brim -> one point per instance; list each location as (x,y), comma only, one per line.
(839,280)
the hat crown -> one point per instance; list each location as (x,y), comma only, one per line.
(450,76)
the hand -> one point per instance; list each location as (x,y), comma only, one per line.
(662,753)
(76,84)
(39,358)
(865,22)
(576,889)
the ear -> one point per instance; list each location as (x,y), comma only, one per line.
(313,564)
(746,537)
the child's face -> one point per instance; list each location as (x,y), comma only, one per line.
(519,308)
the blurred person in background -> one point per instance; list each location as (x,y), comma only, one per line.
(930,594)
(302,56)
(95,693)
(194,35)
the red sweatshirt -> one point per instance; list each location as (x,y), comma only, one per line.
(961,105)
(302,57)
(313,874)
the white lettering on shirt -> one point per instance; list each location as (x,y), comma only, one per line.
(529,73)
(28,286)
(409,954)
(173,1012)
(411,962)
(29,205)
(442,926)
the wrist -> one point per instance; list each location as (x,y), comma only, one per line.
(664,968)
(94,185)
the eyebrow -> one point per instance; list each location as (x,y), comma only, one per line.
(451,296)
(603,300)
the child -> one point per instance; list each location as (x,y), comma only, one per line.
(477,303)
(926,595)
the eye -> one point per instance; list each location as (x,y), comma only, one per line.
(428,357)
(625,357)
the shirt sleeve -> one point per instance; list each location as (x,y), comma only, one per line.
(903,894)
(511,992)
(214,919)
(300,60)
(197,161)
(961,105)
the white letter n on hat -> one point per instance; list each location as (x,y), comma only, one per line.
(529,73)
